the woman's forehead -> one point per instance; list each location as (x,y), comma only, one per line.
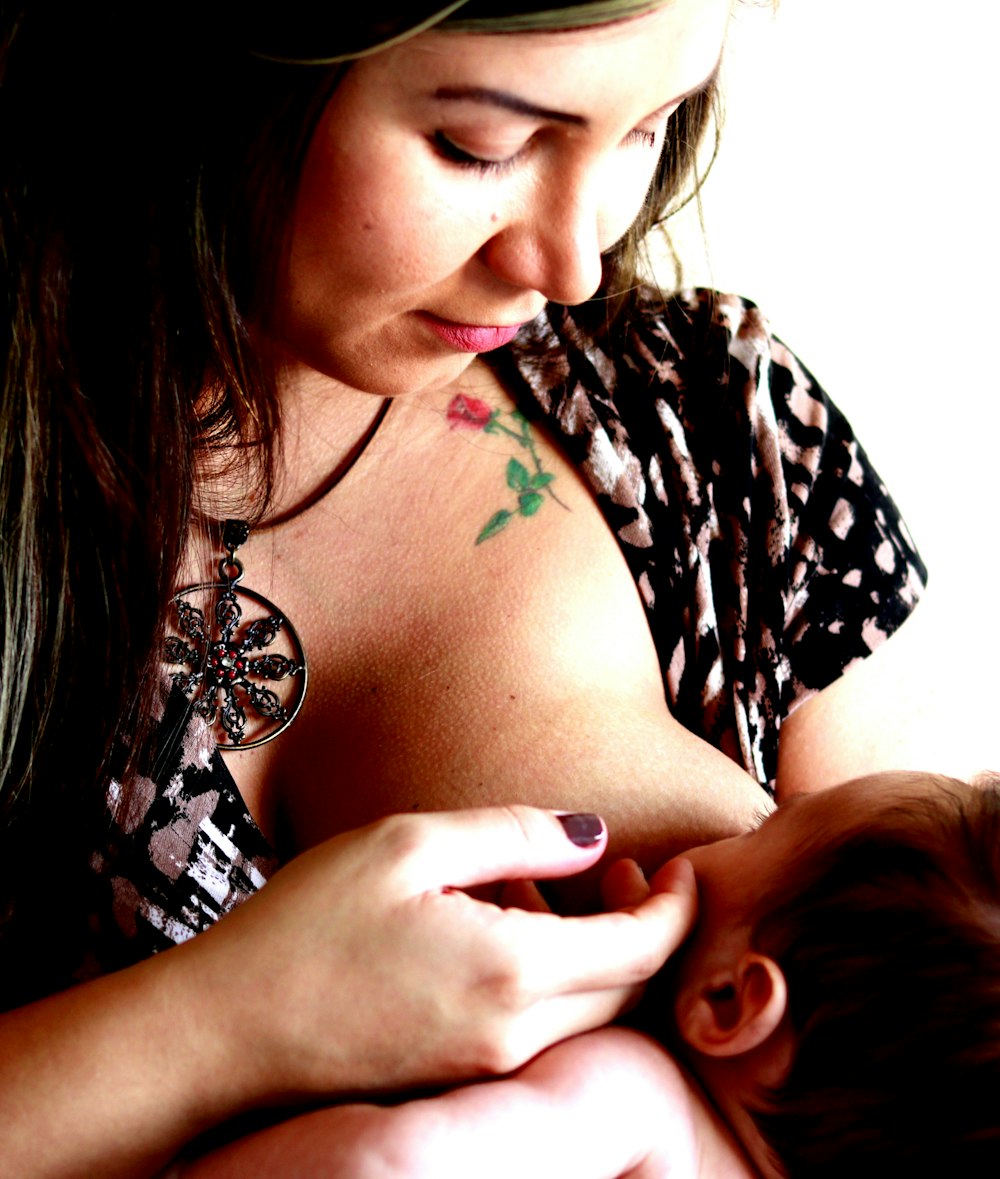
(660,57)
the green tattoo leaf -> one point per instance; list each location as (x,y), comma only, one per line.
(497,522)
(527,480)
(518,478)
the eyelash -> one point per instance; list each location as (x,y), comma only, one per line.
(456,155)
(759,818)
(646,138)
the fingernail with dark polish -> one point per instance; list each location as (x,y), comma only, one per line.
(583,830)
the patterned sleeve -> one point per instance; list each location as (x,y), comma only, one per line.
(854,573)
(767,552)
(837,553)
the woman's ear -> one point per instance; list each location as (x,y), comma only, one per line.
(737,1011)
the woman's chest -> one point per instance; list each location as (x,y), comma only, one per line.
(442,661)
(473,636)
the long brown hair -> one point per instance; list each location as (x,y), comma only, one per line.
(147,176)
(131,187)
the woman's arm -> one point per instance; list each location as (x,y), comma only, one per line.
(920,701)
(360,967)
(608,1104)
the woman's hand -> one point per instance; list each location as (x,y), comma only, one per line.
(362,966)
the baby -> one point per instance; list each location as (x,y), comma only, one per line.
(837,1011)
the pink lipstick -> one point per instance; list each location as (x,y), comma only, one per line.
(469,337)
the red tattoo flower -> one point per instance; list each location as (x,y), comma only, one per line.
(526,483)
(469,412)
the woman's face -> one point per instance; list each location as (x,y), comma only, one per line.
(456,183)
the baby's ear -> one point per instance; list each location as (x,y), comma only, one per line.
(736,1011)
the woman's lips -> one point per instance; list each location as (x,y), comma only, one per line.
(469,337)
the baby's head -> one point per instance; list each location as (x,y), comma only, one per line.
(840,995)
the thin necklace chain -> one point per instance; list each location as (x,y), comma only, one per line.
(222,662)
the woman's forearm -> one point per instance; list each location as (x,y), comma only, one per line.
(578,1109)
(112,1077)
(601,1106)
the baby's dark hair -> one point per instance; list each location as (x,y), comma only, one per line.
(891,952)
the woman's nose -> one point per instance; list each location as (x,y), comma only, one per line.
(553,247)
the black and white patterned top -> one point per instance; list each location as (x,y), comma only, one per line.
(766,549)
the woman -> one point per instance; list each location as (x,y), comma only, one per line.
(251,282)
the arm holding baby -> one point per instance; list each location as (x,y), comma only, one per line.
(604,1105)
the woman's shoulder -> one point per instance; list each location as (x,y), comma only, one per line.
(705,363)
(691,336)
(699,317)
(707,339)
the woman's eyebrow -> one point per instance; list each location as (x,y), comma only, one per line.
(508,102)
(521,106)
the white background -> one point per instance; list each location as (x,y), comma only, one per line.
(855,200)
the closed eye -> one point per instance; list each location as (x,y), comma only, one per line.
(457,155)
(485,165)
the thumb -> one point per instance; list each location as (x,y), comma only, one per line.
(619,948)
(459,849)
